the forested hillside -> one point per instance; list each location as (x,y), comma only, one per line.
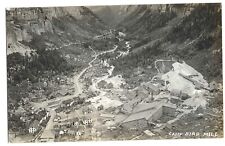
(179,33)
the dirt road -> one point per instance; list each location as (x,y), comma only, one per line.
(78,90)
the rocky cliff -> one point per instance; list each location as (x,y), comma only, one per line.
(77,23)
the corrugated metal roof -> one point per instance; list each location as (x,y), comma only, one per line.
(138,116)
(146,110)
(145,106)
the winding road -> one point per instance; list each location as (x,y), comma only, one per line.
(78,90)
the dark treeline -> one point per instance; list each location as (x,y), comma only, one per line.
(202,27)
(32,67)
(204,18)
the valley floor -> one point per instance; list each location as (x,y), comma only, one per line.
(101,104)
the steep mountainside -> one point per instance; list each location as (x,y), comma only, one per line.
(44,43)
(144,70)
(39,38)
(113,15)
(190,32)
(58,24)
(146,18)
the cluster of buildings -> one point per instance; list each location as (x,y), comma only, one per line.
(145,113)
(145,108)
(73,126)
(163,97)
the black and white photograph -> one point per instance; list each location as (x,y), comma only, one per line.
(114,72)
